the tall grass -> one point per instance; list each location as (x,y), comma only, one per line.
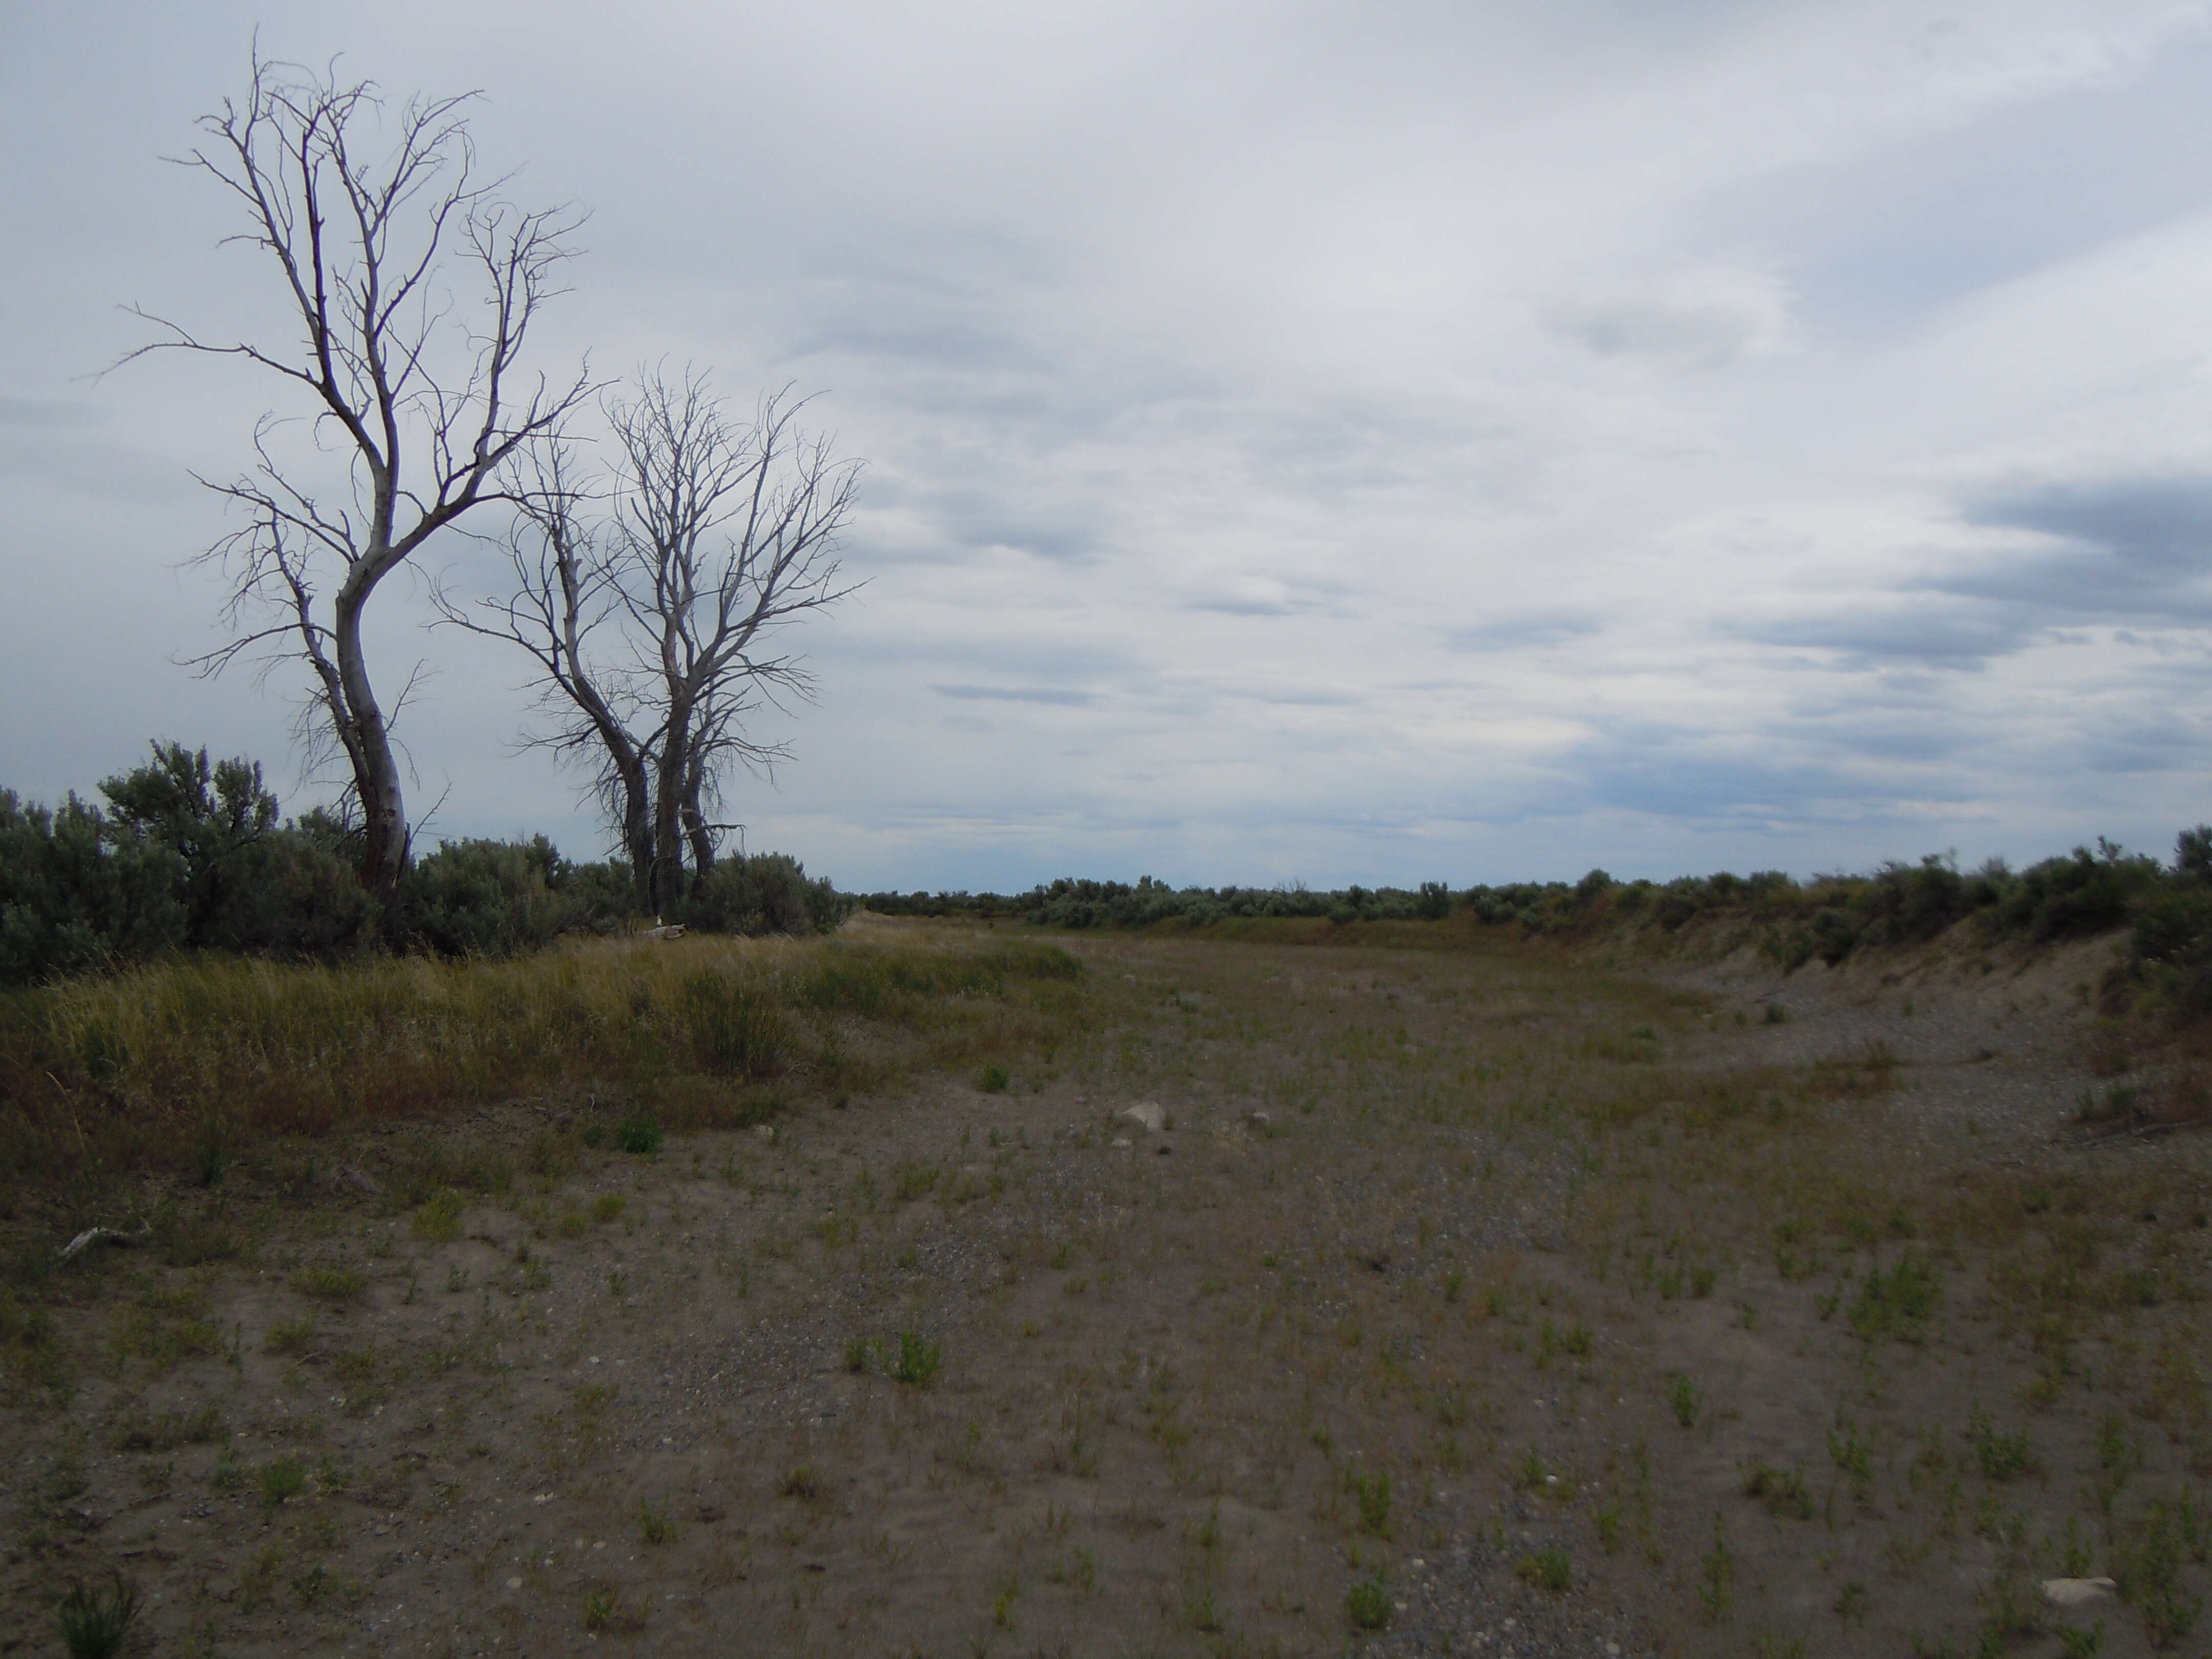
(143,1066)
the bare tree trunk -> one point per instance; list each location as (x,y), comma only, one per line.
(668,884)
(376,769)
(695,829)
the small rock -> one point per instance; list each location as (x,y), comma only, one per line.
(765,1131)
(2077,1592)
(1258,1119)
(1145,1115)
(1122,1140)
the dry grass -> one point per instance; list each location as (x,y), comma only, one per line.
(185,1064)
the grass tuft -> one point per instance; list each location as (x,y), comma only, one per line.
(639,1136)
(332,1284)
(916,1361)
(94,1622)
(1367,1604)
(281,1480)
(1545,1569)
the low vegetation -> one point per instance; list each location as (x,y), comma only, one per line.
(2166,908)
(1455,1285)
(184,1063)
(187,856)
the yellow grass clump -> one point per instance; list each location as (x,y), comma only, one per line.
(138,1067)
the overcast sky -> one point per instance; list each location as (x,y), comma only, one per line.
(1376,443)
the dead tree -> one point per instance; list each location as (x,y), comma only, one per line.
(711,535)
(562,593)
(413,284)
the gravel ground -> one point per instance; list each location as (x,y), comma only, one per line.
(1246,1308)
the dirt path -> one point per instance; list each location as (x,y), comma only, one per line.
(1503,1305)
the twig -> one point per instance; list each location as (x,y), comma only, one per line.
(92,1236)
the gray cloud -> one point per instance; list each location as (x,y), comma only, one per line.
(2138,550)
(1701,333)
(2131,553)
(1853,771)
(45,413)
(1938,633)
(1889,235)
(1040,694)
(1230,605)
(1540,628)
(2134,745)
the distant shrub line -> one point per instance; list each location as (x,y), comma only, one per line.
(187,856)
(2082,893)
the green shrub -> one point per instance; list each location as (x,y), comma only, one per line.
(763,893)
(1783,1490)
(495,898)
(282,1479)
(1367,1604)
(71,900)
(1371,1490)
(917,1361)
(1683,1399)
(638,1136)
(1898,1302)
(438,1220)
(333,1284)
(1547,1569)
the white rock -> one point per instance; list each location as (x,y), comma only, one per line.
(2077,1592)
(1145,1114)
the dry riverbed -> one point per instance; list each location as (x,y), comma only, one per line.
(1474,1301)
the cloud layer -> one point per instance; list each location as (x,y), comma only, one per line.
(1439,442)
